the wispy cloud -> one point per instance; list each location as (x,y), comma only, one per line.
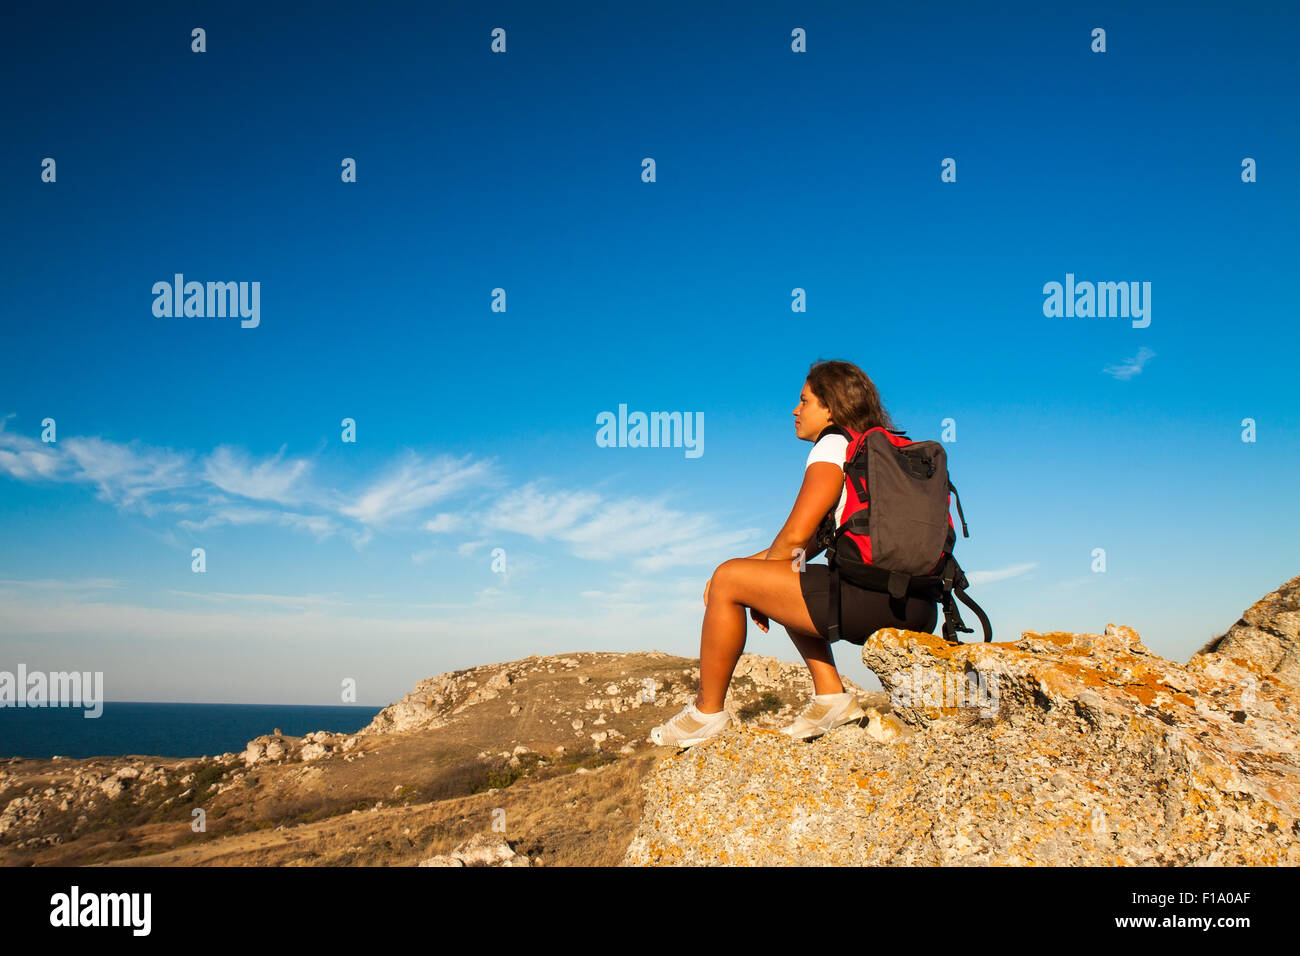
(1132,366)
(1000,574)
(601,529)
(469,549)
(25,458)
(137,477)
(273,479)
(322,526)
(229,487)
(413,484)
(445,523)
(125,475)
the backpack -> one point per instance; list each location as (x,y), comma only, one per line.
(896,534)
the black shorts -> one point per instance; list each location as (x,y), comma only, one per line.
(862,612)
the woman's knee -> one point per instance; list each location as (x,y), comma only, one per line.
(726,577)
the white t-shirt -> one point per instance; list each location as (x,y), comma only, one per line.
(832,448)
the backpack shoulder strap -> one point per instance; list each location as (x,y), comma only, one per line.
(833,429)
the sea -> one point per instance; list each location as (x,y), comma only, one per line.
(163,730)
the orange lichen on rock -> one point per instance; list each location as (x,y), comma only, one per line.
(1054,749)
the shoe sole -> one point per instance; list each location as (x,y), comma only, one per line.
(848,719)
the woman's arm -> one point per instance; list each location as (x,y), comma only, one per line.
(810,549)
(819,493)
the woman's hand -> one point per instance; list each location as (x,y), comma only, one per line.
(706,591)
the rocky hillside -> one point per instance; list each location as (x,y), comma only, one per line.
(541,760)
(1055,749)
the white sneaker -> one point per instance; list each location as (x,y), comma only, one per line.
(819,717)
(687,729)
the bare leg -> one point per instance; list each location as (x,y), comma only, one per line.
(817,654)
(722,641)
(772,588)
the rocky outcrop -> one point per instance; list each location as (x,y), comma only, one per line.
(480,850)
(270,748)
(86,790)
(1056,749)
(436,700)
(95,784)
(1267,635)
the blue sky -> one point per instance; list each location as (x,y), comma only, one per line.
(476,429)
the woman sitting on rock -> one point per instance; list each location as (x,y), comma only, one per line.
(776,585)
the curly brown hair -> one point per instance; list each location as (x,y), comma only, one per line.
(849,395)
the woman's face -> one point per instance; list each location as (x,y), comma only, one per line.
(810,415)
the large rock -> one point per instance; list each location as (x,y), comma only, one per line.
(1268,635)
(1056,749)
(481,849)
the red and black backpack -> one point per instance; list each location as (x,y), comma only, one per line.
(896,534)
